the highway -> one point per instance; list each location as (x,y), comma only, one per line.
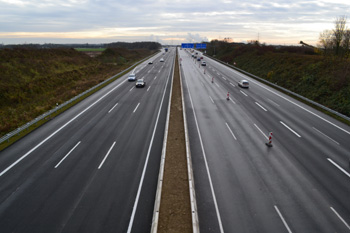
(94,168)
(300,184)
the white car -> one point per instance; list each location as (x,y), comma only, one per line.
(204,63)
(140,83)
(150,62)
(161,60)
(132,77)
(243,83)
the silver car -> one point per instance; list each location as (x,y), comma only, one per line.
(243,83)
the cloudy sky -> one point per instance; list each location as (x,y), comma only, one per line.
(167,21)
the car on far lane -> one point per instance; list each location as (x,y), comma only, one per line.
(204,63)
(161,60)
(150,62)
(132,77)
(140,83)
(243,83)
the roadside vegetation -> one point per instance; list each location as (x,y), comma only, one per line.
(33,81)
(320,73)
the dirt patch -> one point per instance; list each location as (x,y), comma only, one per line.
(175,206)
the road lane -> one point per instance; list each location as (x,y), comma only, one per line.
(294,177)
(94,188)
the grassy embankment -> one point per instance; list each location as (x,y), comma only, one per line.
(32,81)
(325,80)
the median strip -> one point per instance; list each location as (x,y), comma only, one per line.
(175,204)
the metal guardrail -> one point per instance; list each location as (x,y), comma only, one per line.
(283,89)
(59,107)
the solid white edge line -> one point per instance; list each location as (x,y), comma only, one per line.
(53,134)
(290,129)
(261,132)
(283,220)
(339,167)
(326,136)
(136,107)
(146,163)
(231,131)
(338,215)
(261,106)
(206,163)
(112,108)
(104,159)
(67,154)
(155,218)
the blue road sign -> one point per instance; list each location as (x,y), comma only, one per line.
(201,46)
(187,45)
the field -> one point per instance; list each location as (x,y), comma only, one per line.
(90,49)
(33,81)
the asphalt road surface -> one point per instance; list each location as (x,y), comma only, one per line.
(300,184)
(95,167)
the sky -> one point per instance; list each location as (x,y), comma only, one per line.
(279,22)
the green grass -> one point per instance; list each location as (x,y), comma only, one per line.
(90,49)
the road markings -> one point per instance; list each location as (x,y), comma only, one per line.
(283,220)
(223,78)
(261,132)
(211,99)
(232,101)
(104,159)
(243,93)
(261,106)
(155,78)
(338,215)
(290,101)
(131,222)
(148,88)
(232,84)
(339,167)
(58,130)
(290,129)
(136,107)
(233,135)
(113,108)
(217,85)
(206,163)
(326,136)
(68,154)
(132,88)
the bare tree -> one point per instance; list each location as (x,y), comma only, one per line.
(326,41)
(338,32)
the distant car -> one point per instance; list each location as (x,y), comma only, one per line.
(132,77)
(150,62)
(161,60)
(243,83)
(201,57)
(140,83)
(204,63)
(198,59)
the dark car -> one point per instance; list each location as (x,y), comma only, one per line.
(140,83)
